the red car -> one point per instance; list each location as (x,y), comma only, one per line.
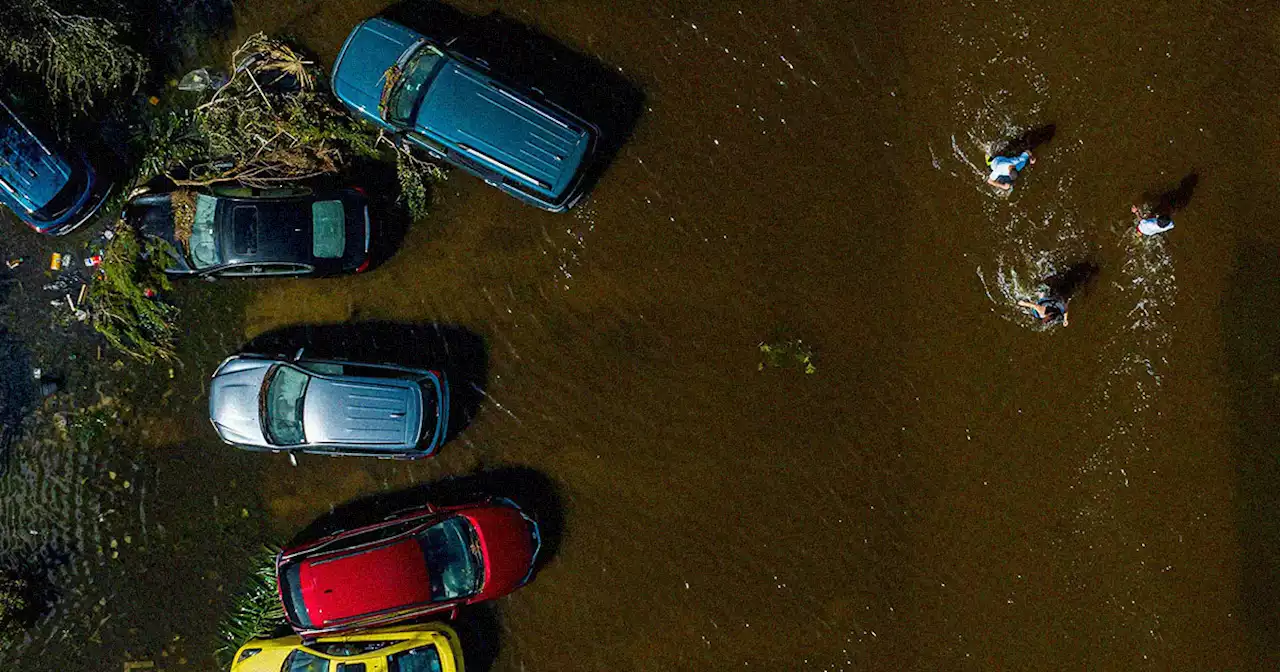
(428,561)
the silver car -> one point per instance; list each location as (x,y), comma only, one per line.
(331,407)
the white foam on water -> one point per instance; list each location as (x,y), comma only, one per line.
(1033,238)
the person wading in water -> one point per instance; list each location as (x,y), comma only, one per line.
(1048,307)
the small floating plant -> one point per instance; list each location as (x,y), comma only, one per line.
(792,353)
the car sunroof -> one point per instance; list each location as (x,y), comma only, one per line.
(244,229)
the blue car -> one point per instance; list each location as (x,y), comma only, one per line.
(52,191)
(457,110)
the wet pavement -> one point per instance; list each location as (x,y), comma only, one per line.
(952,489)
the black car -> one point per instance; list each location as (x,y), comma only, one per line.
(238,232)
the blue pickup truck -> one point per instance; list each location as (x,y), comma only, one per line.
(457,110)
(53,191)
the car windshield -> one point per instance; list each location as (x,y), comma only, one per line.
(284,389)
(291,595)
(453,558)
(406,84)
(203,244)
(66,197)
(302,660)
(421,659)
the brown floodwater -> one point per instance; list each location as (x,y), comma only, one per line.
(952,488)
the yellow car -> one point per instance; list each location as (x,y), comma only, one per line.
(430,647)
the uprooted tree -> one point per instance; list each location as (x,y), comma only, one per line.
(267,125)
(82,58)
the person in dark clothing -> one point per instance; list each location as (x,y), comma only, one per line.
(1048,307)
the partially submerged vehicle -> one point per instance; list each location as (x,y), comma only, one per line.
(457,109)
(429,647)
(51,189)
(427,561)
(240,232)
(329,407)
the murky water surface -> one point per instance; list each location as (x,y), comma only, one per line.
(952,489)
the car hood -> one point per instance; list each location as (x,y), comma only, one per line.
(270,659)
(363,411)
(470,109)
(372,48)
(506,541)
(32,174)
(152,214)
(233,400)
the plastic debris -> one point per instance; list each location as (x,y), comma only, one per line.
(202,80)
(15,262)
(92,261)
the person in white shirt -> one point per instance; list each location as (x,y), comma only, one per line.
(1004,169)
(1151,223)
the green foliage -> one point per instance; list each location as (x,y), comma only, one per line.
(789,353)
(142,327)
(256,611)
(170,139)
(81,58)
(90,426)
(14,603)
(416,177)
(267,125)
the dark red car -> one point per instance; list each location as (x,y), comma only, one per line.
(425,562)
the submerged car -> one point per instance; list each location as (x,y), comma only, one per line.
(238,232)
(427,561)
(51,190)
(457,110)
(430,647)
(329,407)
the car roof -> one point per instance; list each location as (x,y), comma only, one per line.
(503,130)
(31,172)
(364,580)
(369,412)
(264,230)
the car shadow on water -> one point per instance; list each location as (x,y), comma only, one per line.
(520,54)
(457,351)
(478,625)
(1252,343)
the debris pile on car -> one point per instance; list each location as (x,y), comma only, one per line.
(183,202)
(268,124)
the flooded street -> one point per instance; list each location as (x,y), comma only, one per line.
(952,489)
